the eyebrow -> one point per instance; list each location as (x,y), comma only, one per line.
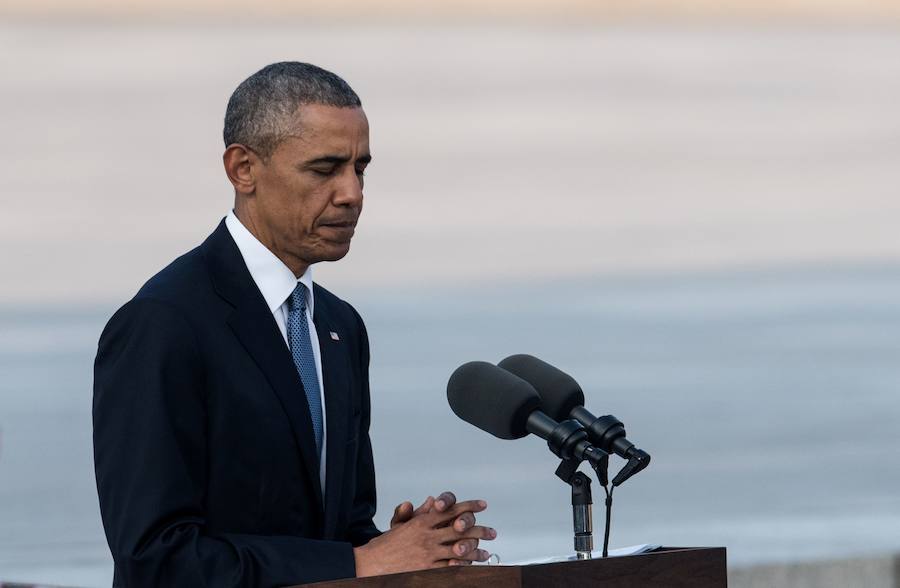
(337,159)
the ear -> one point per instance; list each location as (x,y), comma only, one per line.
(239,163)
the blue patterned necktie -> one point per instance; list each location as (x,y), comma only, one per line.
(304,360)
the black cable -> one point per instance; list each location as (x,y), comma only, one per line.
(609,493)
(603,477)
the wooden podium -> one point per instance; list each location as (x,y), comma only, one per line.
(667,567)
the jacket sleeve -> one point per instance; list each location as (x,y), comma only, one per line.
(150,456)
(362,528)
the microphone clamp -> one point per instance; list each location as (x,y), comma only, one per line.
(638,459)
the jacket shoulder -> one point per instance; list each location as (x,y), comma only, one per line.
(170,297)
(183,280)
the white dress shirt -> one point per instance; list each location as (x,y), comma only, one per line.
(276,282)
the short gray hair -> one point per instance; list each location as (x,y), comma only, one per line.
(260,108)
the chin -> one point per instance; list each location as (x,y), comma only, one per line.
(335,253)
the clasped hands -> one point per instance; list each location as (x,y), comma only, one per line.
(440,532)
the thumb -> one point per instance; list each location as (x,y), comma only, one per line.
(402,513)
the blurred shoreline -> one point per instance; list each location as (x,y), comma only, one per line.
(462,10)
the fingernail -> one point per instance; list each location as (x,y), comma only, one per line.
(482,504)
(492,533)
(463,548)
(440,505)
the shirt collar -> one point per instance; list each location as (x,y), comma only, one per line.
(275,280)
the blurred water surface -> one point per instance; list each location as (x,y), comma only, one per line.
(767,398)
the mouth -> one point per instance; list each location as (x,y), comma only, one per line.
(340,230)
(348,224)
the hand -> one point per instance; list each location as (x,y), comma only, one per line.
(405,511)
(426,539)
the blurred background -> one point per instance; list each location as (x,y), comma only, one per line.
(692,207)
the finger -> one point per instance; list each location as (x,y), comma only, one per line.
(476,555)
(479,555)
(448,535)
(457,509)
(425,506)
(443,563)
(464,546)
(448,553)
(464,521)
(402,513)
(444,501)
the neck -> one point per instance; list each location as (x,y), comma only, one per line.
(258,230)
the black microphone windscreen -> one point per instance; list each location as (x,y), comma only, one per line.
(492,399)
(559,391)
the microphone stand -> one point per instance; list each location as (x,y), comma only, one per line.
(582,519)
(568,441)
(582,501)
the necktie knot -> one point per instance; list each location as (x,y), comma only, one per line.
(298,297)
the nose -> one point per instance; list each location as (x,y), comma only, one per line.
(349,190)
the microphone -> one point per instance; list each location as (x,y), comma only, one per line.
(506,406)
(562,398)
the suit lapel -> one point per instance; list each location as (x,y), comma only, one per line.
(260,336)
(335,368)
(256,329)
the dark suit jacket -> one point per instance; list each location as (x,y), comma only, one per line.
(203,443)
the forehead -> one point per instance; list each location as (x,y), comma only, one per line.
(329,128)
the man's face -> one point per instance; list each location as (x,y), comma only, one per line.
(308,195)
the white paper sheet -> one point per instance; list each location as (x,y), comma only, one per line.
(630,550)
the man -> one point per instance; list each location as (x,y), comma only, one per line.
(231,401)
